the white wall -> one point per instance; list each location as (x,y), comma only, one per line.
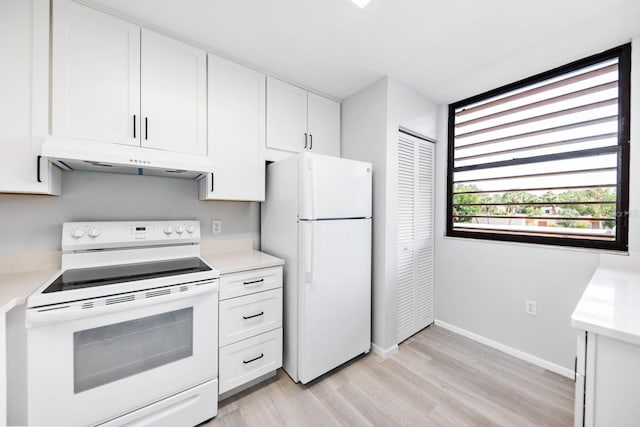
(34,223)
(410,110)
(370,122)
(481,286)
(364,137)
(634,173)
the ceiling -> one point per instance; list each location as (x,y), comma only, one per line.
(446,49)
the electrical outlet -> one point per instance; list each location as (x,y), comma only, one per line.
(216,226)
(530,307)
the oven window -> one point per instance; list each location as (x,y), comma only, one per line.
(113,352)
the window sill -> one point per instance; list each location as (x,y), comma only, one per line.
(536,245)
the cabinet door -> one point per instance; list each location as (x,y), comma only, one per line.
(24,99)
(324,125)
(174,103)
(95,75)
(286,116)
(236,143)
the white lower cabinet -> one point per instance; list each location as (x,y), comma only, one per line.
(251,315)
(607,378)
(248,282)
(249,359)
(250,327)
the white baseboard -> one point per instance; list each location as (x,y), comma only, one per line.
(508,350)
(384,352)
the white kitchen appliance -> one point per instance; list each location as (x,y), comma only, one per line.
(71,154)
(317,216)
(126,333)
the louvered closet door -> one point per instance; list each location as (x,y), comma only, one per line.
(414,235)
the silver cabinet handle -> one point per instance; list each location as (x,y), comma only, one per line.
(253,282)
(305,140)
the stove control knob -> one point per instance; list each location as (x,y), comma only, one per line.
(179,229)
(77,233)
(190,229)
(168,229)
(93,232)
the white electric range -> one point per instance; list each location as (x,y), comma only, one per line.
(127,332)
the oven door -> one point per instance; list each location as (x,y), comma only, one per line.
(86,366)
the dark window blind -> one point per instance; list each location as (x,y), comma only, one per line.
(545,160)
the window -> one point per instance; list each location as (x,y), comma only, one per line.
(546,159)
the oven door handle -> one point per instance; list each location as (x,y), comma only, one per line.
(73,311)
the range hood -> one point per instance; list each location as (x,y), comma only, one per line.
(83,155)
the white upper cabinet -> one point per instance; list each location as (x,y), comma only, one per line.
(115,82)
(286,116)
(95,75)
(323,125)
(24,99)
(236,121)
(174,103)
(298,120)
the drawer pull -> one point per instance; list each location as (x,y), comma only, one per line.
(253,282)
(254,359)
(253,315)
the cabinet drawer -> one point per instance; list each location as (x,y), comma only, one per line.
(249,359)
(247,282)
(250,315)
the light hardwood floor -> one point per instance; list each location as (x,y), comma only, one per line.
(437,378)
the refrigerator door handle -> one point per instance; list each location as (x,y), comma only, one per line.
(314,190)
(309,196)
(309,252)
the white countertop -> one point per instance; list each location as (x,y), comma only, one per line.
(233,262)
(18,279)
(16,287)
(610,305)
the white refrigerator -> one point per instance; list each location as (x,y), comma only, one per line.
(317,217)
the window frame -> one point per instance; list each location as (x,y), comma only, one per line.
(623,53)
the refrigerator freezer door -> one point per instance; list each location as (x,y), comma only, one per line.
(331,187)
(335,294)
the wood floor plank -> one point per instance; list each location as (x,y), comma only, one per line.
(437,378)
(493,364)
(518,376)
(389,397)
(230,419)
(524,401)
(499,362)
(458,396)
(516,400)
(341,409)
